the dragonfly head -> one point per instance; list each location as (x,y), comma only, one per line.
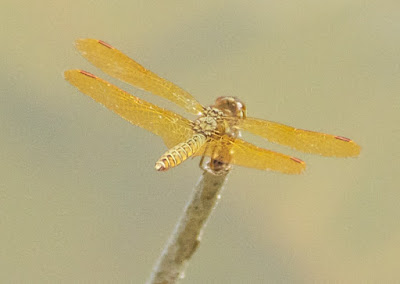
(231,106)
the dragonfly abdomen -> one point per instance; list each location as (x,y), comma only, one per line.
(180,152)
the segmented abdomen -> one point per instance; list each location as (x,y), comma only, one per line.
(180,152)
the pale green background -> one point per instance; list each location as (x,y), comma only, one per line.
(80,200)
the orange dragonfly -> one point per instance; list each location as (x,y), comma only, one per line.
(214,134)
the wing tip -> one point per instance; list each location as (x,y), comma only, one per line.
(69,73)
(82,43)
(357,150)
(299,168)
(354,148)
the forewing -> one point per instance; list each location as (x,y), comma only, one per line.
(239,152)
(118,65)
(172,127)
(302,140)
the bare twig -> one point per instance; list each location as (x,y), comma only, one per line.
(186,237)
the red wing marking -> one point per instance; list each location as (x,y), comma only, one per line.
(297,160)
(106,44)
(87,74)
(343,138)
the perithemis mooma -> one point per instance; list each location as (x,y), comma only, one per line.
(215,132)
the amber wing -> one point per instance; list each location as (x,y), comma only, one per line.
(302,140)
(172,127)
(239,152)
(118,65)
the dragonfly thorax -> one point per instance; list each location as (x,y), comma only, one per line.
(210,122)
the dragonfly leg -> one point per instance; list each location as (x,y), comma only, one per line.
(203,164)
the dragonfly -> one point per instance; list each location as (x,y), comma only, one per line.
(214,134)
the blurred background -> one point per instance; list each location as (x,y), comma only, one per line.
(81,202)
